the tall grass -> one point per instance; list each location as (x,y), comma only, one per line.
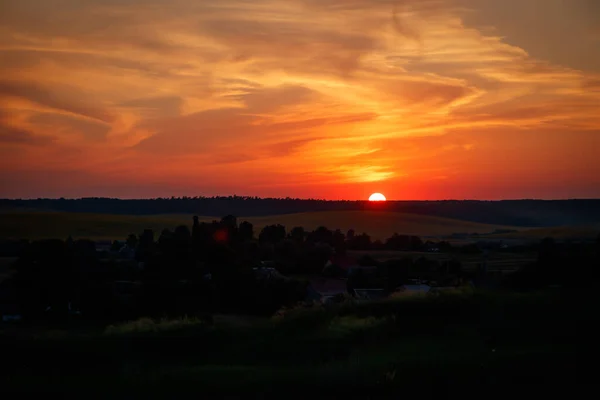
(452,340)
(148,325)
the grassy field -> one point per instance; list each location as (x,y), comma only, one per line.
(451,342)
(496,261)
(380,225)
(559,233)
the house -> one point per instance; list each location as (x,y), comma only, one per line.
(444,289)
(360,269)
(267,273)
(369,294)
(343,261)
(325,289)
(103,245)
(413,288)
(127,252)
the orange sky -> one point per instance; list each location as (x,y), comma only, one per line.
(417,99)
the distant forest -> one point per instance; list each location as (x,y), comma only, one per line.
(526,213)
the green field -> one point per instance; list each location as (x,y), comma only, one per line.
(380,225)
(453,341)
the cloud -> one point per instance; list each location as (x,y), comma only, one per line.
(283,149)
(156,107)
(263,117)
(59,98)
(271,92)
(69,126)
(12,135)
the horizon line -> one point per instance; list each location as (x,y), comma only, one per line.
(286,199)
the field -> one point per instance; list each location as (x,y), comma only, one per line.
(559,233)
(496,261)
(380,225)
(451,342)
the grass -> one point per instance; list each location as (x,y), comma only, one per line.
(560,233)
(496,261)
(148,325)
(386,347)
(380,225)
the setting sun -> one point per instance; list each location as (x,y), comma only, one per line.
(377,197)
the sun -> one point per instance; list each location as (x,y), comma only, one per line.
(377,197)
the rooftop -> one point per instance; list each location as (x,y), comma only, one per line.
(327,286)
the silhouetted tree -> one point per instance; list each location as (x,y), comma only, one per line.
(297,233)
(321,235)
(416,244)
(397,272)
(360,242)
(315,257)
(338,242)
(246,231)
(115,246)
(46,278)
(272,233)
(145,245)
(377,245)
(182,233)
(131,241)
(196,231)
(350,235)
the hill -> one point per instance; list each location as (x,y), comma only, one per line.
(378,224)
(523,213)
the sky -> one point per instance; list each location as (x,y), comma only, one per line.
(334,99)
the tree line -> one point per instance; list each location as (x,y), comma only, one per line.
(527,213)
(223,266)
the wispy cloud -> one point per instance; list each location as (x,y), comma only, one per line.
(270,92)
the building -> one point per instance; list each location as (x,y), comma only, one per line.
(369,294)
(413,288)
(267,273)
(325,289)
(343,261)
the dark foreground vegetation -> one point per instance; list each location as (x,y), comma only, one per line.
(441,344)
(222,310)
(225,267)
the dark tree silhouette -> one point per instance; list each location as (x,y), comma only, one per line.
(131,241)
(246,231)
(360,242)
(298,234)
(350,235)
(272,234)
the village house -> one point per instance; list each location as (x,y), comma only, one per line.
(326,290)
(413,287)
(369,294)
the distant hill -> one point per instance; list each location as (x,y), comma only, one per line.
(523,213)
(380,225)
